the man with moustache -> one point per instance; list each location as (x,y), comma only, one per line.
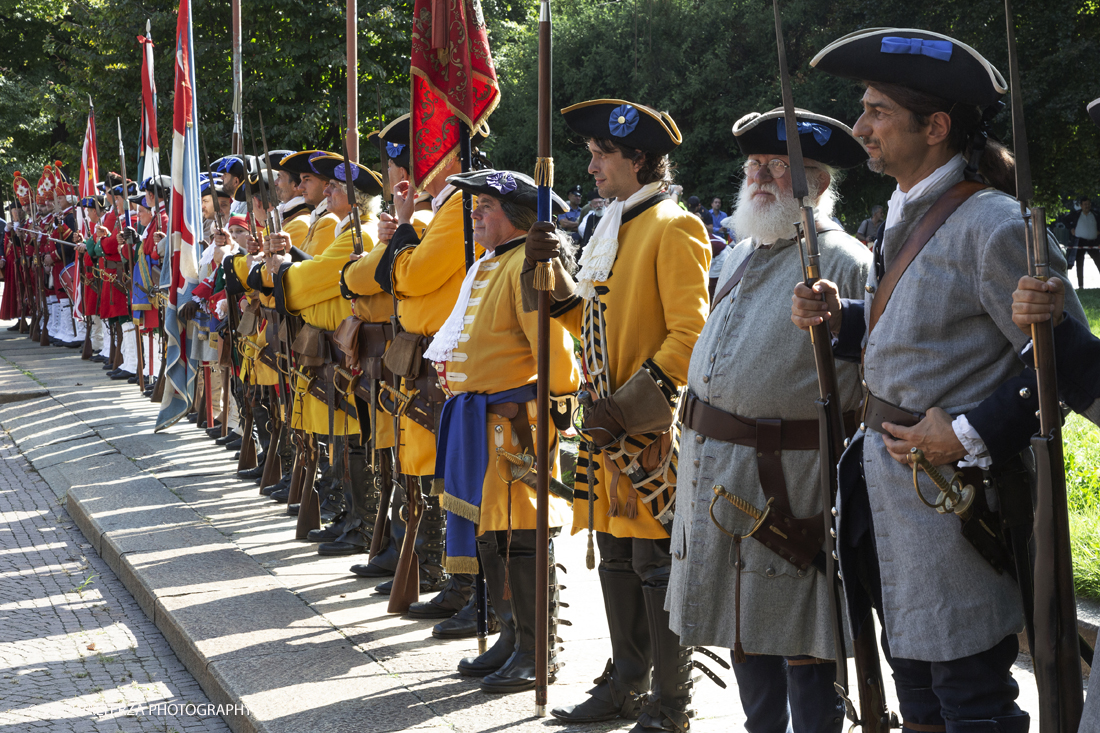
(937,339)
(752,388)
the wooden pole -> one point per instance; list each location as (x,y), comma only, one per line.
(236,142)
(352,123)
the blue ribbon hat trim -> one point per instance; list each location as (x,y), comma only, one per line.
(821,133)
(341,173)
(395,149)
(623,120)
(503,182)
(939,50)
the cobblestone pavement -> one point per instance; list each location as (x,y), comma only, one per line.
(76,652)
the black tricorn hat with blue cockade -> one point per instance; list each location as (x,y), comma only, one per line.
(926,62)
(506,185)
(299,162)
(332,166)
(823,139)
(629,124)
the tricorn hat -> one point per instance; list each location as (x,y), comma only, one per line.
(299,162)
(1094,110)
(921,60)
(162,183)
(395,137)
(823,139)
(273,158)
(236,165)
(505,185)
(257,181)
(332,166)
(629,124)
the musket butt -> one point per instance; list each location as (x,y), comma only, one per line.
(540,711)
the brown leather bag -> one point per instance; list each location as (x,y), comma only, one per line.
(374,338)
(310,346)
(405,354)
(250,319)
(346,338)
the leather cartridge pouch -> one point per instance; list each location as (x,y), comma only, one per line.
(250,319)
(346,339)
(310,346)
(373,340)
(405,354)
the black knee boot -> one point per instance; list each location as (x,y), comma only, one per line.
(357,528)
(430,544)
(666,706)
(492,564)
(458,589)
(518,673)
(627,672)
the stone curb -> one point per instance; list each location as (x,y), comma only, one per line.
(19,395)
(221,612)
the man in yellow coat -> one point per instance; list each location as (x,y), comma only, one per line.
(639,304)
(485,355)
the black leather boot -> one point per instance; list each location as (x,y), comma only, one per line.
(627,672)
(282,487)
(429,542)
(1018,723)
(518,673)
(359,526)
(449,601)
(463,625)
(495,656)
(666,706)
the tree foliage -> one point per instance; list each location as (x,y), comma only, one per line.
(707,62)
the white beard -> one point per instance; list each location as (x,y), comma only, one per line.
(764,221)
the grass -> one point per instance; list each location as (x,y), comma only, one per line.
(1081,441)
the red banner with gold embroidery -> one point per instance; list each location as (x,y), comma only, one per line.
(453,79)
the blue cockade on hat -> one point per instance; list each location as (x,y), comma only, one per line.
(623,120)
(225,165)
(822,133)
(88,203)
(939,50)
(395,149)
(341,173)
(503,182)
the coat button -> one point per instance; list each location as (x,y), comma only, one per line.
(696,463)
(801,573)
(706,379)
(678,555)
(700,439)
(1025,393)
(694,483)
(870,289)
(712,358)
(770,572)
(835,512)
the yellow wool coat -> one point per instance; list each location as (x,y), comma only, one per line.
(655,308)
(252,369)
(312,290)
(495,353)
(319,235)
(426,280)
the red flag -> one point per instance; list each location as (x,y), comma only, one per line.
(148,146)
(89,172)
(453,78)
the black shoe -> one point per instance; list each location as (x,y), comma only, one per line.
(449,601)
(252,473)
(282,483)
(328,534)
(281,495)
(293,509)
(192,417)
(593,710)
(234,444)
(228,437)
(383,589)
(463,625)
(382,566)
(123,375)
(107,366)
(74,344)
(13,328)
(133,379)
(99,358)
(214,433)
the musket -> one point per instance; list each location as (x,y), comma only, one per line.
(543,283)
(127,239)
(275,217)
(349,183)
(1055,651)
(875,717)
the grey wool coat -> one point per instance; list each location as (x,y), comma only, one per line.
(752,361)
(945,340)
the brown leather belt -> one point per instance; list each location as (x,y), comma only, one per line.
(721,425)
(876,412)
(516,414)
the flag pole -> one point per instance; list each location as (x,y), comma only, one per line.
(237,143)
(352,124)
(544,283)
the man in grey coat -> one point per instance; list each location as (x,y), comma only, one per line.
(943,345)
(752,377)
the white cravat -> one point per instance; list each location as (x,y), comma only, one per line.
(599,256)
(899,198)
(446,339)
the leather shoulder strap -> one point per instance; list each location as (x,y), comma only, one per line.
(734,279)
(946,205)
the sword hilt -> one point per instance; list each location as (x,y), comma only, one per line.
(954,496)
(741,505)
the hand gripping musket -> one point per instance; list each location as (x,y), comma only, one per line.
(875,717)
(1055,652)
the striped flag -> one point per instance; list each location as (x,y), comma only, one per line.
(148,146)
(179,274)
(89,171)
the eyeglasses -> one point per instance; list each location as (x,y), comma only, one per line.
(776,167)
